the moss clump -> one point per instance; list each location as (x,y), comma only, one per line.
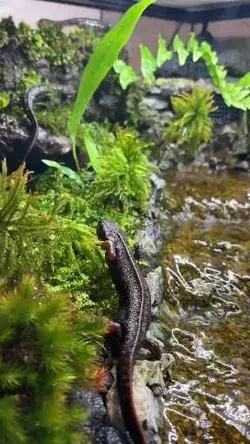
(48,41)
(45,350)
(110,194)
(124,172)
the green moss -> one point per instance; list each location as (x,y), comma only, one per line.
(50,42)
(55,121)
(41,360)
(114,193)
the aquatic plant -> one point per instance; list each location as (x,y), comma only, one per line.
(45,350)
(192,123)
(101,62)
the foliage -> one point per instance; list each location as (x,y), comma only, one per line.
(4,99)
(20,225)
(35,238)
(124,172)
(234,94)
(101,62)
(50,42)
(71,174)
(127,74)
(3,38)
(148,64)
(192,123)
(45,351)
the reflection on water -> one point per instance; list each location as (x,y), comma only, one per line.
(207,308)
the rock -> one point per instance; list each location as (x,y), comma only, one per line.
(234,54)
(173,87)
(155,103)
(242,166)
(14,142)
(155,283)
(168,159)
(148,384)
(98,425)
(145,245)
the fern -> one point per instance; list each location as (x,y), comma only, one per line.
(234,94)
(192,123)
(44,351)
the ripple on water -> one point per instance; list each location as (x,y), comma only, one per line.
(207,308)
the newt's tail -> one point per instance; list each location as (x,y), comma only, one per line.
(125,394)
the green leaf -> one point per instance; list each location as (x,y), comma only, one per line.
(194,48)
(102,61)
(4,99)
(182,52)
(71,174)
(91,148)
(244,81)
(127,75)
(163,55)
(148,64)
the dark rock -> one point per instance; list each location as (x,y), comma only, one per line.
(234,54)
(243,166)
(14,142)
(98,425)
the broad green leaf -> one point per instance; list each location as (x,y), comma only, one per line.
(91,148)
(71,174)
(182,52)
(102,61)
(148,64)
(163,54)
(127,75)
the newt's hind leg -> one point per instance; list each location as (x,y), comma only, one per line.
(153,349)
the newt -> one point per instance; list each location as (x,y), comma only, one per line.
(132,321)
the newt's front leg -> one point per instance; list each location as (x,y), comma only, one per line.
(112,340)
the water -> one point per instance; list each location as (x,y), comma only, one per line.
(207,308)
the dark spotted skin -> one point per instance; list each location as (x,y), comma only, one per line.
(134,315)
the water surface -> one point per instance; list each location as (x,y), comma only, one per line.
(207,308)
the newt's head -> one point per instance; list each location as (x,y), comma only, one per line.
(109,232)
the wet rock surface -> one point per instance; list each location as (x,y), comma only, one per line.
(207,307)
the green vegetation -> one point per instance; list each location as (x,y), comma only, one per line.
(48,41)
(45,350)
(234,94)
(101,62)
(124,172)
(192,123)
(4,100)
(52,269)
